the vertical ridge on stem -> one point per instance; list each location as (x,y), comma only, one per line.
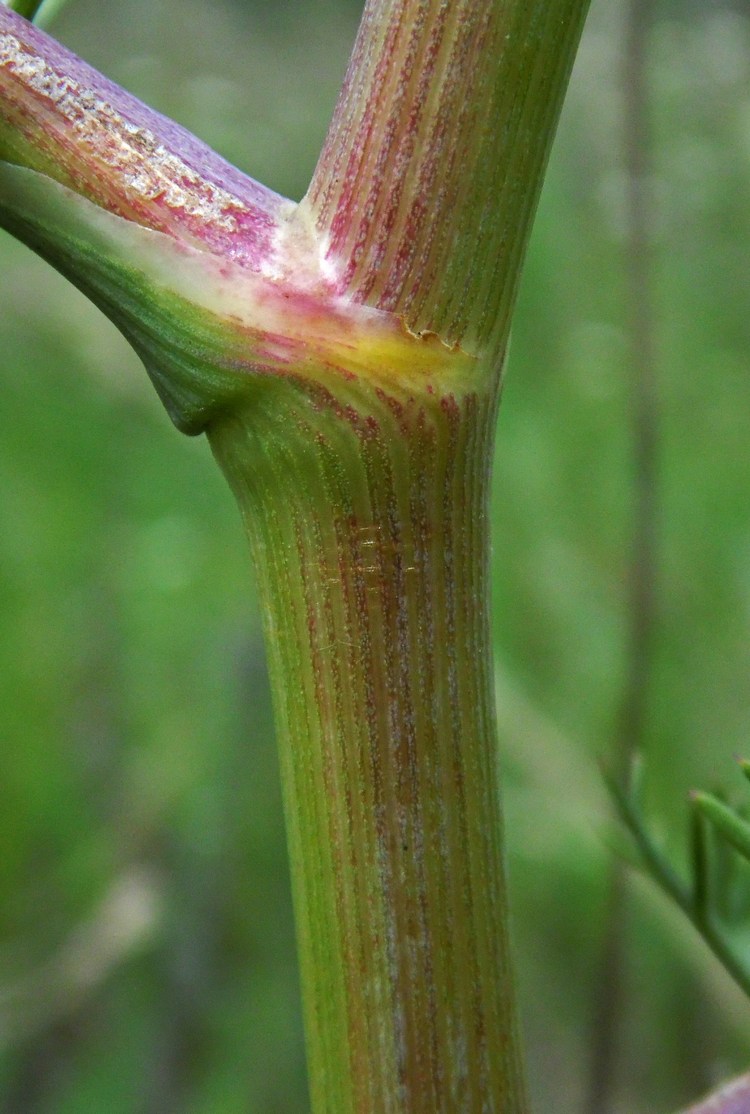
(376,598)
(432,167)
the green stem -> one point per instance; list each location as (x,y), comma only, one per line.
(663,873)
(642,581)
(368,523)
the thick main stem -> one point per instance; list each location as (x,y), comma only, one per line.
(369,530)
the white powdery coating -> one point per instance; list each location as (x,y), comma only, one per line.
(148,168)
(298,252)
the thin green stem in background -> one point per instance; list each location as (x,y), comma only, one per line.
(642,606)
(685,896)
(733,828)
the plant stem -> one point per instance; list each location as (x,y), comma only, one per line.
(642,601)
(431,171)
(344,357)
(369,527)
(724,948)
(734,1098)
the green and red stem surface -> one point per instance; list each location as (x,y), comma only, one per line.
(344,356)
(375,584)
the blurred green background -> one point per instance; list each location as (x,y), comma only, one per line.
(146,946)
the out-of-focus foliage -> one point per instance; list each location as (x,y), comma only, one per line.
(713,888)
(146,945)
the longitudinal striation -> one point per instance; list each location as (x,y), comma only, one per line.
(433,163)
(377,575)
(60,116)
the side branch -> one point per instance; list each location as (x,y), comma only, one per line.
(732,1099)
(61,117)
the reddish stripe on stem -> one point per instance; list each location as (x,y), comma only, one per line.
(60,116)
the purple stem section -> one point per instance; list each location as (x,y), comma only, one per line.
(60,116)
(732,1099)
